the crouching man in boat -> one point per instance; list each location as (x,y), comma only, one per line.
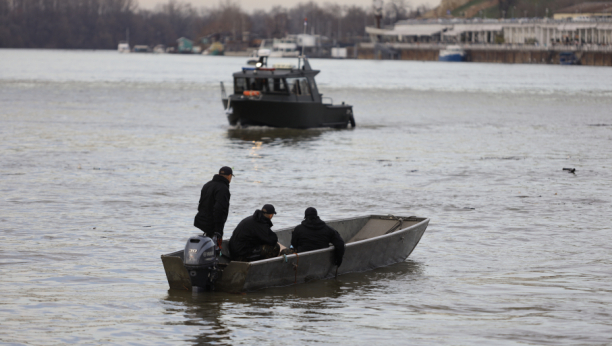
(314,234)
(214,204)
(253,238)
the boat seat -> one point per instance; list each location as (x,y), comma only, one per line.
(375,228)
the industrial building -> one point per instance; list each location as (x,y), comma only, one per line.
(538,32)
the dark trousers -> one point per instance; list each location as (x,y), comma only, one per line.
(207,231)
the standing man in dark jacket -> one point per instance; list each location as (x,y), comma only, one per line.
(314,234)
(253,238)
(214,203)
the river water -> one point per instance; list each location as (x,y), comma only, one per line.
(103,155)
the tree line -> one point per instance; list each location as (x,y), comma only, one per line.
(102,24)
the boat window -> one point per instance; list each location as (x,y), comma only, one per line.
(277,86)
(270,85)
(248,84)
(299,86)
(265,85)
(240,85)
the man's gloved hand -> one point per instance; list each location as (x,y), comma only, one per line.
(219,238)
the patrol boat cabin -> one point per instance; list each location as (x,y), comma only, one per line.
(282,96)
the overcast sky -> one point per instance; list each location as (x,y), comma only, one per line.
(249,6)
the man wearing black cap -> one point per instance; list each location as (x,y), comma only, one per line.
(214,203)
(253,238)
(314,234)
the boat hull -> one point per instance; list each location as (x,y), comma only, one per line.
(300,115)
(452,57)
(568,58)
(360,255)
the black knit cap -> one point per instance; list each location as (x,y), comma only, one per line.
(268,209)
(310,211)
(226,171)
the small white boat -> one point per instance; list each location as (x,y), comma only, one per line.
(123,47)
(159,49)
(279,48)
(452,53)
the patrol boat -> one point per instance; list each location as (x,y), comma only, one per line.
(282,96)
(371,241)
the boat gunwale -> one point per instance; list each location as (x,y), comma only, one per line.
(330,248)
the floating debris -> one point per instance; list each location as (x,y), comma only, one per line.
(571,170)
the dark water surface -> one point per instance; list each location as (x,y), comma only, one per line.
(102,157)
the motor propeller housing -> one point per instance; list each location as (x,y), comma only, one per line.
(202,261)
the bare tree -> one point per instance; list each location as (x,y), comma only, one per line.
(397,10)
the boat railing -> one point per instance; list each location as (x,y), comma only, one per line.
(331,101)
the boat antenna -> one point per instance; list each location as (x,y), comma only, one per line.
(305,25)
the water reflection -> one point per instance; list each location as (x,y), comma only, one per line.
(269,135)
(316,300)
(345,284)
(203,310)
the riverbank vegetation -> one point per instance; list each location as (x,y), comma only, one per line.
(101,24)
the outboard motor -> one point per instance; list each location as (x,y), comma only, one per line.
(202,261)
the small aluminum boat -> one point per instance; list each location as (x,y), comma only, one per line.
(372,241)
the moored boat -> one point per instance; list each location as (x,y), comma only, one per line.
(279,48)
(282,96)
(568,58)
(123,47)
(452,53)
(372,241)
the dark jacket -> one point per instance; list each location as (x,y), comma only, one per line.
(314,234)
(250,233)
(214,206)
